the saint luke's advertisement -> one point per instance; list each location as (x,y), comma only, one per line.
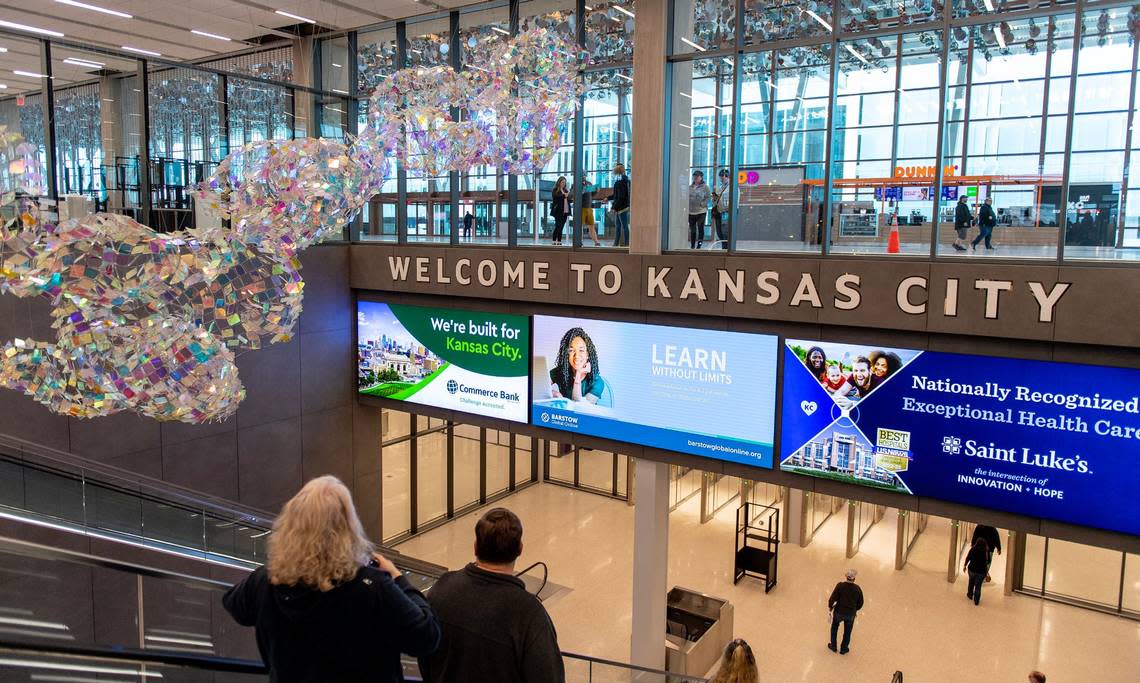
(460,360)
(1050,440)
(704,392)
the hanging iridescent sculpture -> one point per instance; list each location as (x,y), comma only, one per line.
(150,322)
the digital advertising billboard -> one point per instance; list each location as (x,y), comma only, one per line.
(460,360)
(1050,440)
(705,392)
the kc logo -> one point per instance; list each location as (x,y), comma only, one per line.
(951,445)
(808,407)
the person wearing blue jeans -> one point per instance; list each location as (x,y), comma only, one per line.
(620,206)
(845,602)
(977,564)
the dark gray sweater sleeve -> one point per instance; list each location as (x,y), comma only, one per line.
(542,660)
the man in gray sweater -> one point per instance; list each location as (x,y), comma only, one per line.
(493,629)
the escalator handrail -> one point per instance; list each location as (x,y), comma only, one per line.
(545,574)
(163,490)
(671,676)
(50,552)
(167,657)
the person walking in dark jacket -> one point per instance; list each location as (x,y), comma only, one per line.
(976,565)
(963,219)
(845,602)
(993,542)
(324,606)
(493,629)
(620,206)
(987,219)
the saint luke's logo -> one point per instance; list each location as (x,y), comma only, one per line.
(452,386)
(951,445)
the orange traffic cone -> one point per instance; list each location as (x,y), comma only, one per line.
(893,239)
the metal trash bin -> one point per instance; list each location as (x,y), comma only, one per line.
(698,627)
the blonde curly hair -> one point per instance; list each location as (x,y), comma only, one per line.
(317,539)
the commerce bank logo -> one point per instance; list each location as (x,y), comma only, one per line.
(951,445)
(452,386)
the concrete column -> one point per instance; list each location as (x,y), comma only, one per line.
(794,527)
(650,561)
(648,142)
(1011,542)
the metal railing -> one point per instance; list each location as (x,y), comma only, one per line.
(161,603)
(42,484)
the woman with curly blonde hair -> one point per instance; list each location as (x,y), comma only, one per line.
(327,608)
(738,665)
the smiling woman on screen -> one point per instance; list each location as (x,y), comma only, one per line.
(577,375)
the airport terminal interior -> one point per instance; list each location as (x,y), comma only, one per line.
(727,300)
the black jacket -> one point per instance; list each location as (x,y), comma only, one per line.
(986,216)
(847,598)
(493,630)
(988,534)
(621,194)
(557,198)
(354,632)
(962,216)
(977,560)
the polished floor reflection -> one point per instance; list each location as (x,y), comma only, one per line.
(914,620)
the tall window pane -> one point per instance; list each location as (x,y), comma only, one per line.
(1105,69)
(1007,91)
(376,61)
(702,25)
(885,143)
(700,140)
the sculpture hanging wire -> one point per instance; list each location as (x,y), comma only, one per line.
(150,322)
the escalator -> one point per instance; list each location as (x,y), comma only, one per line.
(72,615)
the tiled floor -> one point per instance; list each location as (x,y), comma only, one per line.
(914,620)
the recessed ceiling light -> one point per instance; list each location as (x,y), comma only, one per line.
(294,16)
(30,29)
(215,36)
(3,49)
(29,74)
(93,8)
(3,86)
(139,50)
(83,62)
(337,66)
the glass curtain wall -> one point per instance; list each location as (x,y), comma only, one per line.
(487,193)
(433,470)
(1047,148)
(1107,580)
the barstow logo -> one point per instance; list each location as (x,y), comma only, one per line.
(565,421)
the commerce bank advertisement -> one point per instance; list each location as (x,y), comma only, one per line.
(1051,440)
(705,392)
(469,361)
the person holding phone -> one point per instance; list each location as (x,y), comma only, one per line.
(325,606)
